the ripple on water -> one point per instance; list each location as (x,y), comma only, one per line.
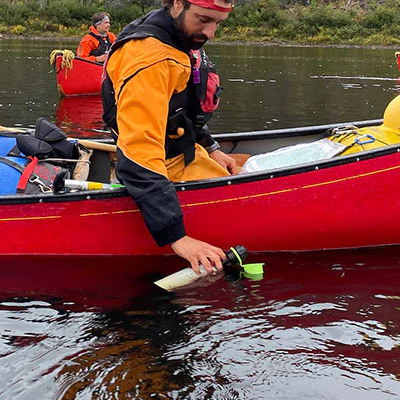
(313,328)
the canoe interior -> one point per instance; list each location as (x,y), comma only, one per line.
(257,142)
(252,143)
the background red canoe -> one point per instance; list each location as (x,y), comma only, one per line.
(81,77)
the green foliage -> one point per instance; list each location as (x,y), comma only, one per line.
(305,21)
(122,16)
(69,12)
(18,14)
(4,14)
(381,18)
(326,17)
(17,30)
(255,14)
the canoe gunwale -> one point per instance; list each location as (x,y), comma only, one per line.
(79,59)
(209,183)
(288,132)
(63,197)
(88,61)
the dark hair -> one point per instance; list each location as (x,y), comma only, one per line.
(98,17)
(170,3)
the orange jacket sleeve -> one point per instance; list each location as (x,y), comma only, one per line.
(159,71)
(145,73)
(89,43)
(86,45)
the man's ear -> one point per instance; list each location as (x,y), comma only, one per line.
(178,7)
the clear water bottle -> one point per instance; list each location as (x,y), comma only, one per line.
(186,276)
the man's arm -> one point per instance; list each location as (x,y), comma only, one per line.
(156,198)
(142,117)
(86,45)
(205,139)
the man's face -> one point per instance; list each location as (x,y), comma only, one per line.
(104,26)
(197,24)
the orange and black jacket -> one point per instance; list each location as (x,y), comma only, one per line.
(93,44)
(151,82)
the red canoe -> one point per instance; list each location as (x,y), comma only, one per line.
(77,76)
(348,201)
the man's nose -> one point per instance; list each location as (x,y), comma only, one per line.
(209,30)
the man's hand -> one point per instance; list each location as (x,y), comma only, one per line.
(225,161)
(102,58)
(198,252)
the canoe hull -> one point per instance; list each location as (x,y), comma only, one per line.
(351,203)
(84,78)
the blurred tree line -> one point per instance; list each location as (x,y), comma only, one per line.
(365,22)
(154,3)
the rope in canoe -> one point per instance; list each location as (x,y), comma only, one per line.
(67,58)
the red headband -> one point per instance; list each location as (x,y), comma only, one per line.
(211,4)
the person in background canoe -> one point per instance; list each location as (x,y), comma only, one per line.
(96,44)
(150,72)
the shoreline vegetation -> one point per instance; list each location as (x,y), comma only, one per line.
(336,23)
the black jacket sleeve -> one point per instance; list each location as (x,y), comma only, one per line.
(204,138)
(156,198)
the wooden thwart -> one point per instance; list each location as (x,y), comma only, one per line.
(91,144)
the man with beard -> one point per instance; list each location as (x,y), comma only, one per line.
(158,139)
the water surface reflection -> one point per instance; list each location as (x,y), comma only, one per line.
(317,326)
(320,325)
(264,87)
(81,115)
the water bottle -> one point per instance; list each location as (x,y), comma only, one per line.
(186,276)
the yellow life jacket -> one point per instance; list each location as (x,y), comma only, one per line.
(371,137)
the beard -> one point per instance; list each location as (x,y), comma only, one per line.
(189,42)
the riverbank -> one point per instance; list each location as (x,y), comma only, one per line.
(261,22)
(224,41)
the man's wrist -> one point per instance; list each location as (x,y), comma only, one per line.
(213,147)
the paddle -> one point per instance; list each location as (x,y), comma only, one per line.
(92,144)
(14,130)
(186,276)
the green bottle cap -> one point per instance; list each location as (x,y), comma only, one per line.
(255,271)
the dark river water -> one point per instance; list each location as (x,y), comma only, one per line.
(317,326)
